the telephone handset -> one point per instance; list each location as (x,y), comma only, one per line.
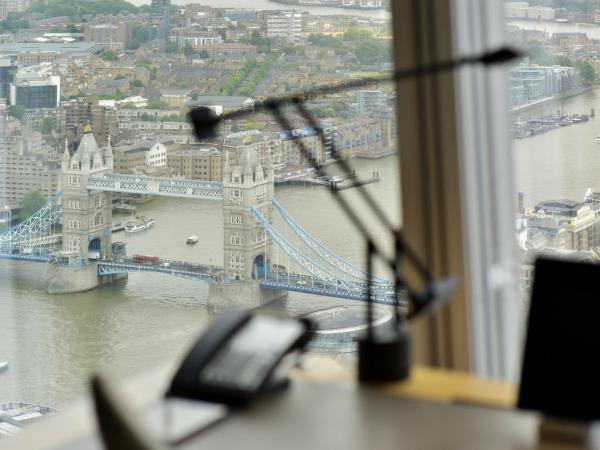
(238,357)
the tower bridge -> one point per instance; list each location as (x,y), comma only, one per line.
(260,262)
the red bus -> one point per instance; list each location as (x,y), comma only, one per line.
(146,259)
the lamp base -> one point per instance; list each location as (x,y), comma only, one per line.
(386,356)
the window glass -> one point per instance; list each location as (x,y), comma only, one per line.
(553,103)
(103,185)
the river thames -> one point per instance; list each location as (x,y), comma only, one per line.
(53,343)
(564,162)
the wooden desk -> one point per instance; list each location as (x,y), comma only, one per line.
(425,383)
(75,427)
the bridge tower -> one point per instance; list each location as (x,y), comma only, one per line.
(87,219)
(87,216)
(247,249)
(246,246)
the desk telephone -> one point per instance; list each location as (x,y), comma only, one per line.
(238,357)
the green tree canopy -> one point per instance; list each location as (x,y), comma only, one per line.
(371,52)
(538,55)
(109,55)
(586,72)
(170,47)
(72,28)
(355,34)
(140,34)
(13,23)
(564,61)
(16,111)
(157,104)
(324,40)
(31,202)
(48,124)
(188,50)
(70,8)
(116,95)
(263,44)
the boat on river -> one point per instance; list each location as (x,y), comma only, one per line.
(3,365)
(139,223)
(192,239)
(15,416)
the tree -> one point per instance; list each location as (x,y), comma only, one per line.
(290,50)
(136,84)
(371,52)
(72,28)
(144,62)
(14,22)
(254,125)
(170,47)
(263,44)
(564,61)
(32,201)
(16,111)
(586,72)
(140,34)
(537,54)
(356,34)
(48,124)
(188,50)
(70,8)
(157,104)
(324,40)
(203,54)
(109,55)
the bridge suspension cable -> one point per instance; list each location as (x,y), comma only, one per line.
(312,267)
(323,252)
(38,229)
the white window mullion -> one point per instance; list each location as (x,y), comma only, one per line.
(487,190)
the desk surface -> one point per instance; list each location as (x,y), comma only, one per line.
(323,416)
(425,383)
(326,409)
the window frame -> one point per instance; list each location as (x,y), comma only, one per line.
(455,162)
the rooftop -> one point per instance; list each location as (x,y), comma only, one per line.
(175,92)
(71,48)
(225,101)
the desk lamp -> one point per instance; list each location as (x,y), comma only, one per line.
(383,353)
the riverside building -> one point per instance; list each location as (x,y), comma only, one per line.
(35,90)
(25,167)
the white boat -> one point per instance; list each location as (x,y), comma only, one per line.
(597,139)
(15,416)
(3,365)
(192,240)
(140,223)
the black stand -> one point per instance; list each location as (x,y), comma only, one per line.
(385,356)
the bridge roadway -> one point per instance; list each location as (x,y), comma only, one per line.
(32,257)
(382,293)
(184,269)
